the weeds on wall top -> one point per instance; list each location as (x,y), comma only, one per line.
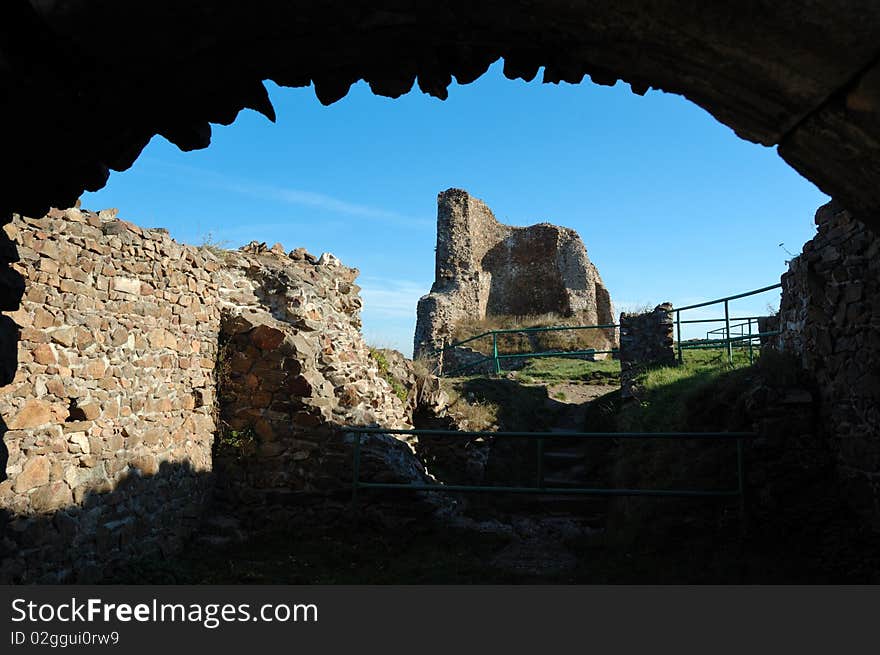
(382,363)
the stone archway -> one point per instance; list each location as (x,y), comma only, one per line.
(86,84)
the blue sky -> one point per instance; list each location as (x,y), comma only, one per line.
(670,203)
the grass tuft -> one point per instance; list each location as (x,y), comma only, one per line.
(217,247)
(396,385)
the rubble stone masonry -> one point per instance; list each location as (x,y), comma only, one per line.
(485,268)
(646,340)
(830,319)
(293,370)
(109,425)
(113,394)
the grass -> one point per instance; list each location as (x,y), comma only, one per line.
(666,402)
(563,369)
(717,356)
(499,404)
(470,412)
(667,393)
(396,385)
(706,394)
(234,443)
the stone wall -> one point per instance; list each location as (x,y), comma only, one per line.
(645,340)
(135,352)
(485,268)
(109,421)
(293,371)
(830,319)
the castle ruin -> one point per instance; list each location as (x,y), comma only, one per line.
(485,268)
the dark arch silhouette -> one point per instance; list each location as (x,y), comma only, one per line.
(86,83)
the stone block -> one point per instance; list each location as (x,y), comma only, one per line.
(146,464)
(65,336)
(51,497)
(89,410)
(94,369)
(33,414)
(42,318)
(265,337)
(79,443)
(126,285)
(34,473)
(44,354)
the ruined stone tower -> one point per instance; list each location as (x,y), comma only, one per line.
(485,268)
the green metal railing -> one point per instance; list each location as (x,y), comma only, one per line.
(497,357)
(745,339)
(738,329)
(540,487)
(728,340)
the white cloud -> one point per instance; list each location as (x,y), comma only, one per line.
(389,312)
(329,203)
(384,298)
(298,197)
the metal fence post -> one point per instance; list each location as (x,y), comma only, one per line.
(727,331)
(495,353)
(751,353)
(678,325)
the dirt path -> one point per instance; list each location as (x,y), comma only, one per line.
(576,394)
(541,542)
(575,398)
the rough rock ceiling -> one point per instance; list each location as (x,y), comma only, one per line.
(84,84)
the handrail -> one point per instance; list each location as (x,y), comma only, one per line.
(728,340)
(549,328)
(460,343)
(470,365)
(557,353)
(550,435)
(727,298)
(496,357)
(744,337)
(720,320)
(540,486)
(530,355)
